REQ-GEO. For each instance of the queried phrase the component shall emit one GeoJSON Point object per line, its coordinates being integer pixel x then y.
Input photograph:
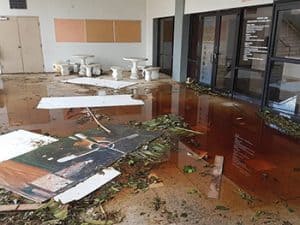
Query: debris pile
{"type": "Point", "coordinates": [136, 174]}
{"type": "Point", "coordinates": [280, 123]}
{"type": "Point", "coordinates": [205, 90]}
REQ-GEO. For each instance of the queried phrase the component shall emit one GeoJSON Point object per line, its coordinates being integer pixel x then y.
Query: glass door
{"type": "Point", "coordinates": [207, 52]}
{"type": "Point", "coordinates": [165, 44]}
{"type": "Point", "coordinates": [225, 52]}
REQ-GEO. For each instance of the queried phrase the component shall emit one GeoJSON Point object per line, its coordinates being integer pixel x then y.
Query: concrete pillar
{"type": "Point", "coordinates": [181, 42]}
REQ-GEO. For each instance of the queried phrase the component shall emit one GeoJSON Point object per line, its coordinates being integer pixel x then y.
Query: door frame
{"type": "Point", "coordinates": [219, 14]}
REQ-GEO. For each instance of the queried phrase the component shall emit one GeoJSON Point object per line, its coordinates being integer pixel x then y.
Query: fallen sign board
{"type": "Point", "coordinates": [19, 142]}
{"type": "Point", "coordinates": [215, 186]}
{"type": "Point", "coordinates": [88, 102]}
{"type": "Point", "coordinates": [55, 168]}
{"type": "Point", "coordinates": [100, 82]}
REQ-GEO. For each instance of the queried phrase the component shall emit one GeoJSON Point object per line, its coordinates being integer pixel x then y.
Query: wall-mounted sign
{"type": "Point", "coordinates": [256, 43]}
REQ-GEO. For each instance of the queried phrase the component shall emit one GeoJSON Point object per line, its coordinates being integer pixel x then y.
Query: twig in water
{"type": "Point", "coordinates": [97, 121]}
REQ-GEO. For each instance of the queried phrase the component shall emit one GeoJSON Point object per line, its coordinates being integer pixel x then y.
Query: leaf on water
{"type": "Point", "coordinates": [221, 207]}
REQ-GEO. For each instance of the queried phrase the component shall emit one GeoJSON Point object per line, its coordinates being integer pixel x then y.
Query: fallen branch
{"type": "Point", "coordinates": [19, 208]}
{"type": "Point", "coordinates": [190, 131]}
{"type": "Point", "coordinates": [97, 121]}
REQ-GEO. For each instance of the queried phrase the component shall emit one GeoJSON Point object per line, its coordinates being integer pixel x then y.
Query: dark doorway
{"type": "Point", "coordinates": [165, 44]}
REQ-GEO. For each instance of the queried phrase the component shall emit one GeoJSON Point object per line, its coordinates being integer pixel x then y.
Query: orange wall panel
{"type": "Point", "coordinates": [70, 30]}
{"type": "Point", "coordinates": [128, 30]}
{"type": "Point", "coordinates": [100, 30]}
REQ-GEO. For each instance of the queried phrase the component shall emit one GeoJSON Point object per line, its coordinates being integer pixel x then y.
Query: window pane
{"type": "Point", "coordinates": [255, 38]}
{"type": "Point", "coordinates": [250, 83]}
{"type": "Point", "coordinates": [284, 88]}
{"type": "Point", "coordinates": [288, 34]}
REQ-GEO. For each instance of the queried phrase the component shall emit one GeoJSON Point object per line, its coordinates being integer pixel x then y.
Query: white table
{"type": "Point", "coordinates": [134, 68]}
{"type": "Point", "coordinates": [83, 58]}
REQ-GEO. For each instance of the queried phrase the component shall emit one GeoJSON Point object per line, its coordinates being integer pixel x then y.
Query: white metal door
{"type": "Point", "coordinates": [10, 47]}
{"type": "Point", "coordinates": [30, 39]}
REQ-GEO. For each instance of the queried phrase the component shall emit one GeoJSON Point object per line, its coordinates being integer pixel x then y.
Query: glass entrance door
{"type": "Point", "coordinates": [224, 53]}
{"type": "Point", "coordinates": [207, 51]}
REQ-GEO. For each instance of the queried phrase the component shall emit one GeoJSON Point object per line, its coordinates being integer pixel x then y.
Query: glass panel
{"type": "Point", "coordinates": [227, 41]}
{"type": "Point", "coordinates": [166, 44]}
{"type": "Point", "coordinates": [255, 38]}
{"type": "Point", "coordinates": [288, 34]}
{"type": "Point", "coordinates": [284, 88]}
{"type": "Point", "coordinates": [250, 83]}
{"type": "Point", "coordinates": [208, 43]}
{"type": "Point", "coordinates": [194, 37]}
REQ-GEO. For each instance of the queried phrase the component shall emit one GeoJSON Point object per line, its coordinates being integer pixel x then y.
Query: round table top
{"type": "Point", "coordinates": [83, 56]}
{"type": "Point", "coordinates": [135, 59]}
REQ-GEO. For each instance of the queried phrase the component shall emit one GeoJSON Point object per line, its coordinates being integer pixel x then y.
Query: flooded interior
{"type": "Point", "coordinates": [258, 159]}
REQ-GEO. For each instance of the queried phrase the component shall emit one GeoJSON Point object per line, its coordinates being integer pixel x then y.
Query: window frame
{"type": "Point", "coordinates": [272, 58]}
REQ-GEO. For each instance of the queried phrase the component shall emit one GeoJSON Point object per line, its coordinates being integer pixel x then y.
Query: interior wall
{"type": "Point", "coordinates": [197, 6]}
{"type": "Point", "coordinates": [107, 54]}
{"type": "Point", "coordinates": [156, 9]}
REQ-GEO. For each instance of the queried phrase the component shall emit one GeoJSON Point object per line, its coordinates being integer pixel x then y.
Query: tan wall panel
{"type": "Point", "coordinates": [128, 31]}
{"type": "Point", "coordinates": [70, 30]}
{"type": "Point", "coordinates": [100, 31]}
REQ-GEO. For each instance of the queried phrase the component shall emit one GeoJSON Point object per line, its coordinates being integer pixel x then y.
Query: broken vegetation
{"type": "Point", "coordinates": [280, 123]}
{"type": "Point", "coordinates": [205, 90]}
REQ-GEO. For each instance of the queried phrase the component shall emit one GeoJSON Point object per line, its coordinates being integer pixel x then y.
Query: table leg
{"type": "Point", "coordinates": [134, 71]}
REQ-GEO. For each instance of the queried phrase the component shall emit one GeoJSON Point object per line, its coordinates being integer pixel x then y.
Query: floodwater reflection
{"type": "Point", "coordinates": [257, 158]}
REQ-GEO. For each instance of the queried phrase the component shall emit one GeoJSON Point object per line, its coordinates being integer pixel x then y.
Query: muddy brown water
{"type": "Point", "coordinates": [257, 158]}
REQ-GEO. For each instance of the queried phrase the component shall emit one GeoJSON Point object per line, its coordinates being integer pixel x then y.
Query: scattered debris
{"type": "Point", "coordinates": [184, 215]}
{"type": "Point", "coordinates": [221, 207]}
{"type": "Point", "coordinates": [202, 155]}
{"type": "Point", "coordinates": [286, 223]}
{"type": "Point", "coordinates": [49, 170]}
{"type": "Point", "coordinates": [280, 123]}
{"type": "Point", "coordinates": [264, 217]}
{"type": "Point", "coordinates": [215, 186]}
{"type": "Point", "coordinates": [204, 90]}
{"type": "Point", "coordinates": [197, 156]}
{"type": "Point", "coordinates": [245, 196]}
{"type": "Point", "coordinates": [158, 202]}
{"type": "Point", "coordinates": [189, 169]}
{"type": "Point", "coordinates": [88, 102]}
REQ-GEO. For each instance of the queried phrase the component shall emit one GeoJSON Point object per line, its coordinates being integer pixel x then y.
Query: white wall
{"type": "Point", "coordinates": [156, 9]}
{"type": "Point", "coordinates": [106, 53]}
{"type": "Point", "coordinates": [196, 6]}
